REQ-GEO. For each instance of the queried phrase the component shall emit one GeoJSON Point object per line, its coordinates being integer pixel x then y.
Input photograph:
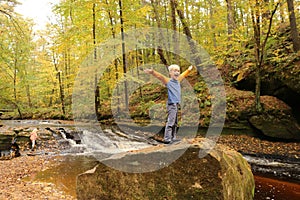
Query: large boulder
{"type": "Point", "coordinates": [277, 121]}
{"type": "Point", "coordinates": [276, 126]}
{"type": "Point", "coordinates": [220, 174]}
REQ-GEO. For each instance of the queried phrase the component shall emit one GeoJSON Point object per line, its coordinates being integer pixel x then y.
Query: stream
{"type": "Point", "coordinates": [274, 178]}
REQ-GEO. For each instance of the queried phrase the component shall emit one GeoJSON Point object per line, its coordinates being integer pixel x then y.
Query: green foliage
{"type": "Point", "coordinates": [38, 73]}
{"type": "Point", "coordinates": [200, 87]}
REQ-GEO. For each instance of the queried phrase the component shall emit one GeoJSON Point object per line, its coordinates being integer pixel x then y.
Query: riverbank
{"type": "Point", "coordinates": [252, 145]}
{"type": "Point", "coordinates": [17, 179]}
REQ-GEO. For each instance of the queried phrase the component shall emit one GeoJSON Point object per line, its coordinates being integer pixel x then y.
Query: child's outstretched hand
{"type": "Point", "coordinates": [190, 68]}
{"type": "Point", "coordinates": [148, 71]}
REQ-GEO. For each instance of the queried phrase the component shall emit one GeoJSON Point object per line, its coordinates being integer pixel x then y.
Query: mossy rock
{"type": "Point", "coordinates": [220, 174]}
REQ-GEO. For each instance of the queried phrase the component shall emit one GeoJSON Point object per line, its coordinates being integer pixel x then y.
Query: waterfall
{"type": "Point", "coordinates": [109, 142]}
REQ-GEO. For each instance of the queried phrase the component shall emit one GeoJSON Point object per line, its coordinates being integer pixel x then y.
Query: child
{"type": "Point", "coordinates": [174, 97]}
{"type": "Point", "coordinates": [33, 137]}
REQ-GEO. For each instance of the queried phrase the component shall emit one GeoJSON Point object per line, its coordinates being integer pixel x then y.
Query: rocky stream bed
{"type": "Point", "coordinates": [18, 175]}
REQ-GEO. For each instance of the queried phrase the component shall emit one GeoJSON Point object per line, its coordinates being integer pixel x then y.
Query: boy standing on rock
{"type": "Point", "coordinates": [174, 97]}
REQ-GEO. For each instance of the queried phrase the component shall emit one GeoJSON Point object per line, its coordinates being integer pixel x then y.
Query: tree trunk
{"type": "Point", "coordinates": [15, 88]}
{"type": "Point", "coordinates": [113, 32]}
{"type": "Point", "coordinates": [28, 95]}
{"type": "Point", "coordinates": [293, 24]}
{"type": "Point", "coordinates": [94, 31]}
{"type": "Point", "coordinates": [138, 60]}
{"type": "Point", "coordinates": [51, 98]}
{"type": "Point", "coordinates": [159, 49]}
{"type": "Point", "coordinates": [97, 89]}
{"type": "Point", "coordinates": [123, 55]}
{"type": "Point", "coordinates": [15, 80]}
{"type": "Point", "coordinates": [61, 87]}
{"type": "Point", "coordinates": [61, 90]}
{"type": "Point", "coordinates": [212, 26]}
{"type": "Point", "coordinates": [230, 19]}
{"type": "Point", "coordinates": [174, 27]}
{"type": "Point", "coordinates": [188, 33]}
{"type": "Point", "coordinates": [257, 17]}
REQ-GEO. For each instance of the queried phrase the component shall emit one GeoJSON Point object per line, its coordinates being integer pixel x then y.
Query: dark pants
{"type": "Point", "coordinates": [172, 122]}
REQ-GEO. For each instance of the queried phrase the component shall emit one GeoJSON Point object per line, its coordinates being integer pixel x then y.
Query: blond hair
{"type": "Point", "coordinates": [171, 67]}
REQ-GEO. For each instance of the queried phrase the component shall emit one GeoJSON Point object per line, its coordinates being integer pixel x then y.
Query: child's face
{"type": "Point", "coordinates": [174, 73]}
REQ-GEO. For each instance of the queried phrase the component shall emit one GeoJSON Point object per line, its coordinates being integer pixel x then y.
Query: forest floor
{"type": "Point", "coordinates": [17, 175]}
{"type": "Point", "coordinates": [253, 145]}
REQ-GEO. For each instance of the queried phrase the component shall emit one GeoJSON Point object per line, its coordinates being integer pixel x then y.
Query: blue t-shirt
{"type": "Point", "coordinates": [174, 91]}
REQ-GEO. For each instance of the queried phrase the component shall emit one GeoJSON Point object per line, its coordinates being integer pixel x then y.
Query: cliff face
{"type": "Point", "coordinates": [187, 173]}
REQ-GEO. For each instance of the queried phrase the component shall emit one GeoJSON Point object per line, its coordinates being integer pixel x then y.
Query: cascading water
{"type": "Point", "coordinates": [108, 142]}
{"type": "Point", "coordinates": [289, 169]}
{"type": "Point", "coordinates": [84, 139]}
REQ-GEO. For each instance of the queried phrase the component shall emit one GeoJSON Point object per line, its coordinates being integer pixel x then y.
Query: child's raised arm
{"type": "Point", "coordinates": [185, 73]}
{"type": "Point", "coordinates": [157, 75]}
